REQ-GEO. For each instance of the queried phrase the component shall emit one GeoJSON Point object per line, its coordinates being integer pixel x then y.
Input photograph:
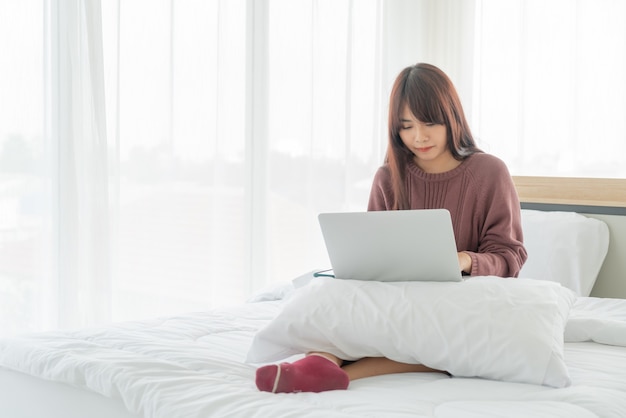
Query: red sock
{"type": "Point", "coordinates": [311, 374]}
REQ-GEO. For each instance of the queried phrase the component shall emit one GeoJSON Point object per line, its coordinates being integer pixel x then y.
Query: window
{"type": "Point", "coordinates": [178, 116]}
{"type": "Point", "coordinates": [159, 156]}
{"type": "Point", "coordinates": [24, 169]}
{"type": "Point", "coordinates": [550, 86]}
{"type": "Point", "coordinates": [325, 123]}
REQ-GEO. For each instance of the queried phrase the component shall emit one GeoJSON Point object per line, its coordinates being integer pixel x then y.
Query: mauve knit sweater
{"type": "Point", "coordinates": [482, 201]}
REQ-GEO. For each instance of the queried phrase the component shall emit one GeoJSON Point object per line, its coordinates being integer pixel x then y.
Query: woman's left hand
{"type": "Point", "coordinates": [465, 262]}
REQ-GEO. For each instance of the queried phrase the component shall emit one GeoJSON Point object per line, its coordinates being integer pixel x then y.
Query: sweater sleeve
{"type": "Point", "coordinates": [501, 250]}
{"type": "Point", "coordinates": [381, 194]}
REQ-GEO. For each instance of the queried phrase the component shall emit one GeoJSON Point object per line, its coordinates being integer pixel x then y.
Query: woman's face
{"type": "Point", "coordinates": [427, 142]}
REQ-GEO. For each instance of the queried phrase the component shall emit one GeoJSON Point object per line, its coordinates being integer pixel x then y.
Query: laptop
{"type": "Point", "coordinates": [396, 245]}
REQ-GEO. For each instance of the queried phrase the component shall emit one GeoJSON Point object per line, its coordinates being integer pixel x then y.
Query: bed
{"type": "Point", "coordinates": [199, 364]}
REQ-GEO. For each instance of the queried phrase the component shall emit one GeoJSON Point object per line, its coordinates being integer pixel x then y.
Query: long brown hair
{"type": "Point", "coordinates": [432, 98]}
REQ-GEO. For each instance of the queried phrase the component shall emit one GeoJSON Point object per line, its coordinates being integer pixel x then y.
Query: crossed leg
{"type": "Point", "coordinates": [318, 372]}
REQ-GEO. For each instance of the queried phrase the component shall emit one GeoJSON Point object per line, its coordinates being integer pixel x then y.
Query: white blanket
{"type": "Point", "coordinates": [193, 366]}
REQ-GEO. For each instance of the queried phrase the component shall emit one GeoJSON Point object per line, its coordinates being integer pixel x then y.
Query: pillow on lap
{"type": "Point", "coordinates": [502, 329]}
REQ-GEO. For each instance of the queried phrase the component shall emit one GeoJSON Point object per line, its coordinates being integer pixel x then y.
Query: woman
{"type": "Point", "coordinates": [432, 162]}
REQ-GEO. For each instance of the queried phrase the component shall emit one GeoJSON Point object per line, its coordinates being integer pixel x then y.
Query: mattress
{"type": "Point", "coordinates": [193, 365]}
{"type": "Point", "coordinates": [24, 396]}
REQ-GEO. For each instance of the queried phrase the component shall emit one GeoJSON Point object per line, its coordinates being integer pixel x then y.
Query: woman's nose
{"type": "Point", "coordinates": [419, 136]}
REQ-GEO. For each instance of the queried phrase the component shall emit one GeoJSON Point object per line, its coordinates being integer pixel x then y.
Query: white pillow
{"type": "Point", "coordinates": [502, 329]}
{"type": "Point", "coordinates": [602, 320]}
{"type": "Point", "coordinates": [564, 247]}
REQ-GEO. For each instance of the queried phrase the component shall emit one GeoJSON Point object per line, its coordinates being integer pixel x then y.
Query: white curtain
{"type": "Point", "coordinates": [55, 241]}
{"type": "Point", "coordinates": [176, 160]}
{"type": "Point", "coordinates": [325, 117]}
{"type": "Point", "coordinates": [190, 150]}
{"type": "Point", "coordinates": [24, 201]}
{"type": "Point", "coordinates": [542, 81]}
{"type": "Point", "coordinates": [76, 119]}
{"type": "Point", "coordinates": [550, 85]}
{"type": "Point", "coordinates": [178, 110]}
{"type": "Point", "coordinates": [237, 122]}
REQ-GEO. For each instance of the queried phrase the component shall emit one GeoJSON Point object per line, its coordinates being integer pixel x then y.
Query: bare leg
{"type": "Point", "coordinates": [318, 372]}
{"type": "Point", "coordinates": [375, 366]}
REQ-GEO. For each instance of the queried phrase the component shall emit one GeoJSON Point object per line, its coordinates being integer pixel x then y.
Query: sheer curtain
{"type": "Point", "coordinates": [550, 85]}
{"type": "Point", "coordinates": [80, 184]}
{"type": "Point", "coordinates": [325, 114]}
{"type": "Point", "coordinates": [177, 84]}
{"type": "Point", "coordinates": [24, 199]}
{"type": "Point", "coordinates": [182, 154]}
{"type": "Point", "coordinates": [176, 160]}
{"type": "Point", "coordinates": [55, 248]}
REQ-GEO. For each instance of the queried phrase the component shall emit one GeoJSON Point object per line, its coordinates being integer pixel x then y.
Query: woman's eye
{"type": "Point", "coordinates": [405, 127]}
{"type": "Point", "coordinates": [429, 124]}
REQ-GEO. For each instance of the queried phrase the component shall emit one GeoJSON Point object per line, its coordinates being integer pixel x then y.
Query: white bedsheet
{"type": "Point", "coordinates": [193, 366]}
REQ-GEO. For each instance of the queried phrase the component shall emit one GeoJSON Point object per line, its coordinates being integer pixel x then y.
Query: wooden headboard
{"type": "Point", "coordinates": [604, 199]}
{"type": "Point", "coordinates": [572, 191]}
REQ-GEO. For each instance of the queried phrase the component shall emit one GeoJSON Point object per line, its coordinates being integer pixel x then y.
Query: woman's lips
{"type": "Point", "coordinates": [424, 149]}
